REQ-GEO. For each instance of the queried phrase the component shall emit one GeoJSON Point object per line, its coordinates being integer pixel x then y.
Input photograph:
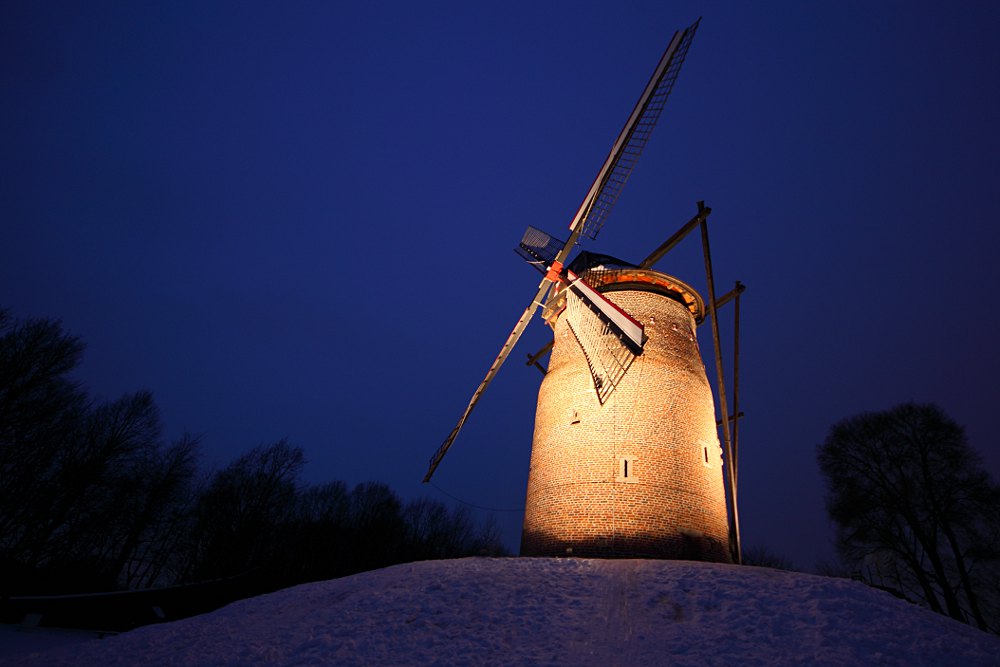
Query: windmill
{"type": "Point", "coordinates": [599, 490]}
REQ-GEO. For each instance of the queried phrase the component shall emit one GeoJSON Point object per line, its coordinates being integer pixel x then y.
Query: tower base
{"type": "Point", "coordinates": [638, 475]}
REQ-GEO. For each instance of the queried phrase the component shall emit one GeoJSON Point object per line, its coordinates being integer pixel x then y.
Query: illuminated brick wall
{"type": "Point", "coordinates": [660, 421]}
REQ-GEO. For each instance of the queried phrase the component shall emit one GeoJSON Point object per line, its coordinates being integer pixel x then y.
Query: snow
{"type": "Point", "coordinates": [15, 639]}
{"type": "Point", "coordinates": [537, 611]}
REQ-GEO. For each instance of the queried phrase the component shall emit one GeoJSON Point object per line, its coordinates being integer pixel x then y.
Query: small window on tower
{"type": "Point", "coordinates": [626, 469]}
{"type": "Point", "coordinates": [711, 454]}
{"type": "Point", "coordinates": [574, 417]}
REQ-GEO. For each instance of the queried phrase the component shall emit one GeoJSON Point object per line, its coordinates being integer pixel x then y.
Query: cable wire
{"type": "Point", "coordinates": [478, 507]}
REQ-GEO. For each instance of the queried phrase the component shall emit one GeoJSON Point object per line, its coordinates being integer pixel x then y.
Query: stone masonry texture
{"type": "Point", "coordinates": [660, 418]}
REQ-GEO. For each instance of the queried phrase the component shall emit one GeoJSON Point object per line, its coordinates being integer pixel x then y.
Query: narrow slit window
{"type": "Point", "coordinates": [626, 469]}
{"type": "Point", "coordinates": [711, 454]}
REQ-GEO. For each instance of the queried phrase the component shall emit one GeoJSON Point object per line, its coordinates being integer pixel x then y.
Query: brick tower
{"type": "Point", "coordinates": [625, 460]}
{"type": "Point", "coordinates": [641, 475]}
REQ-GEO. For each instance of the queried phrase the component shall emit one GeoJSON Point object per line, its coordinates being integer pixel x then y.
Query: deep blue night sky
{"type": "Point", "coordinates": [296, 219]}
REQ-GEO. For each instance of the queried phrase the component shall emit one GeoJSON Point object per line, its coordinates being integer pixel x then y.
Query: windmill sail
{"type": "Point", "coordinates": [539, 249]}
{"type": "Point", "coordinates": [624, 326]}
{"type": "Point", "coordinates": [508, 345]}
{"type": "Point", "coordinates": [595, 207]}
{"type": "Point", "coordinates": [609, 337]}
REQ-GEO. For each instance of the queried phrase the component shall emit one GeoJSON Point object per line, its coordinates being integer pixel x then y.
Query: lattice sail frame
{"type": "Point", "coordinates": [629, 154]}
{"type": "Point", "coordinates": [607, 356]}
{"type": "Point", "coordinates": [609, 337]}
{"type": "Point", "coordinates": [539, 248]}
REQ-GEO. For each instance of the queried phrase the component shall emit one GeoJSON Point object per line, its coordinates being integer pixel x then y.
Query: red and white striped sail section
{"type": "Point", "coordinates": [609, 337]}
{"type": "Point", "coordinates": [626, 328]}
{"type": "Point", "coordinates": [596, 206]}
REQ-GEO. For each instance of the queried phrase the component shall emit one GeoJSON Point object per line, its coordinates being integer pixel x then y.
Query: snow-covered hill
{"type": "Point", "coordinates": [521, 611]}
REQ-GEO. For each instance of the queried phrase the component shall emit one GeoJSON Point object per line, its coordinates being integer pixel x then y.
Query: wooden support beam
{"type": "Point", "coordinates": [732, 418]}
{"type": "Point", "coordinates": [668, 245]}
{"type": "Point", "coordinates": [730, 295]}
{"type": "Point", "coordinates": [736, 385]}
{"type": "Point", "coordinates": [734, 526]}
{"type": "Point", "coordinates": [533, 358]}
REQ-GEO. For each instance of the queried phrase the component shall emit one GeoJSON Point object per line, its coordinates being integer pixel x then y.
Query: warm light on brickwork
{"type": "Point", "coordinates": [660, 421]}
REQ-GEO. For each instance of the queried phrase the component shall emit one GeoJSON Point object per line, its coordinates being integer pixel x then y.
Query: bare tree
{"type": "Point", "coordinates": [910, 498]}
{"type": "Point", "coordinates": [319, 542]}
{"type": "Point", "coordinates": [758, 556]}
{"type": "Point", "coordinates": [434, 531]}
{"type": "Point", "coordinates": [144, 548]}
{"type": "Point", "coordinates": [241, 512]}
{"type": "Point", "coordinates": [41, 411]}
{"type": "Point", "coordinates": [89, 500]}
{"type": "Point", "coordinates": [376, 527]}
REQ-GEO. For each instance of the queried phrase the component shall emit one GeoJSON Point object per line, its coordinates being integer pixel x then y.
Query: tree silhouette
{"type": "Point", "coordinates": [376, 525]}
{"type": "Point", "coordinates": [241, 515]}
{"type": "Point", "coordinates": [912, 504]}
{"type": "Point", "coordinates": [91, 500]}
{"type": "Point", "coordinates": [158, 517]}
{"type": "Point", "coordinates": [84, 490]}
{"type": "Point", "coordinates": [319, 541]}
{"type": "Point", "coordinates": [41, 410]}
{"type": "Point", "coordinates": [759, 556]}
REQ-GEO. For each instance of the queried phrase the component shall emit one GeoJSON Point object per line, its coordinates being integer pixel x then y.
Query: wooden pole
{"type": "Point", "coordinates": [533, 359]}
{"type": "Point", "coordinates": [736, 385]}
{"type": "Point", "coordinates": [678, 236]}
{"type": "Point", "coordinates": [730, 295]}
{"type": "Point", "coordinates": [734, 525]}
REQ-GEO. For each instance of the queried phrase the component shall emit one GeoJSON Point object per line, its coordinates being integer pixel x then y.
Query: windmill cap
{"type": "Point", "coordinates": [644, 280]}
